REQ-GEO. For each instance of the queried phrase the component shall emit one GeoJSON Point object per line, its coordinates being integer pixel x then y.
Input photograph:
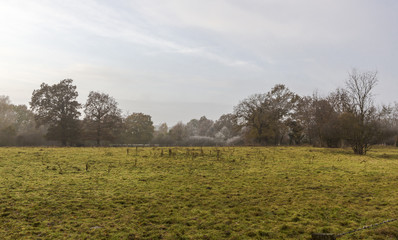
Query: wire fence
{"type": "Point", "coordinates": [331, 236]}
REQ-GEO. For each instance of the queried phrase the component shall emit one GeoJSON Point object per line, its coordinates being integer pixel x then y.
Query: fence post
{"type": "Point", "coordinates": [323, 236]}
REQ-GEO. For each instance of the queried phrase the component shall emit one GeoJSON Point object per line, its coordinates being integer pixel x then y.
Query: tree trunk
{"type": "Point", "coordinates": [99, 134]}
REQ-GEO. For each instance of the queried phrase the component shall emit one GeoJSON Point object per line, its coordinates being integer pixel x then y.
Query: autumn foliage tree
{"type": "Point", "coordinates": [326, 125]}
{"type": "Point", "coordinates": [138, 128]}
{"type": "Point", "coordinates": [267, 115]}
{"type": "Point", "coordinates": [56, 107]}
{"type": "Point", "coordinates": [102, 117]}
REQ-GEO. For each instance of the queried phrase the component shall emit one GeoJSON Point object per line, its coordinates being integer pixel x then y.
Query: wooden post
{"type": "Point", "coordinates": [323, 236]}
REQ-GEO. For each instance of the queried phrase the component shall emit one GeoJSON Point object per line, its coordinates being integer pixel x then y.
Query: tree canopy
{"type": "Point", "coordinates": [56, 107]}
{"type": "Point", "coordinates": [267, 115]}
{"type": "Point", "coordinates": [138, 128]}
{"type": "Point", "coordinates": [102, 117]}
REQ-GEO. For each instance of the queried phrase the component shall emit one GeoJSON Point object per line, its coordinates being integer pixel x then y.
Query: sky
{"type": "Point", "coordinates": [182, 59]}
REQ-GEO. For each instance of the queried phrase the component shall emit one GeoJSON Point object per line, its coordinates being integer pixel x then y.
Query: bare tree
{"type": "Point", "coordinates": [359, 87]}
{"type": "Point", "coordinates": [160, 135]}
{"type": "Point", "coordinates": [178, 133]}
{"type": "Point", "coordinates": [201, 127]}
{"type": "Point", "coordinates": [226, 127]}
{"type": "Point", "coordinates": [360, 120]}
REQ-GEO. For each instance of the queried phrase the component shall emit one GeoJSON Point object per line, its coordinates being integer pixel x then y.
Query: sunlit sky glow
{"type": "Point", "coordinates": [182, 59]}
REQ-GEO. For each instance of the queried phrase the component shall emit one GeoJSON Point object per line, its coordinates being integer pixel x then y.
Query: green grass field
{"type": "Point", "coordinates": [213, 193]}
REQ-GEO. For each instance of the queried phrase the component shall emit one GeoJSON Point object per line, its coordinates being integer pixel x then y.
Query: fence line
{"type": "Point", "coordinates": [366, 227]}
{"type": "Point", "coordinates": [330, 236]}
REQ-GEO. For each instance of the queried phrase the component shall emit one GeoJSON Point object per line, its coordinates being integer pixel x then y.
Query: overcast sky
{"type": "Point", "coordinates": [182, 59]}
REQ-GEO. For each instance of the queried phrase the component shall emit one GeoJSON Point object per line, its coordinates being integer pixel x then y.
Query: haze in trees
{"type": "Point", "coordinates": [345, 117]}
{"type": "Point", "coordinates": [17, 125]}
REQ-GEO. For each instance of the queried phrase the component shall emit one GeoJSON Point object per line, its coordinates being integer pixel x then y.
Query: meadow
{"type": "Point", "coordinates": [196, 193]}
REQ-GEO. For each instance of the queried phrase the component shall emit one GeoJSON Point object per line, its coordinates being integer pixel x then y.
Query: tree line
{"type": "Point", "coordinates": [345, 117]}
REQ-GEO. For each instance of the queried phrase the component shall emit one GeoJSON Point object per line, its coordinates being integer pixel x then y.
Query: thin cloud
{"type": "Point", "coordinates": [217, 50]}
{"type": "Point", "coordinates": [90, 17]}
